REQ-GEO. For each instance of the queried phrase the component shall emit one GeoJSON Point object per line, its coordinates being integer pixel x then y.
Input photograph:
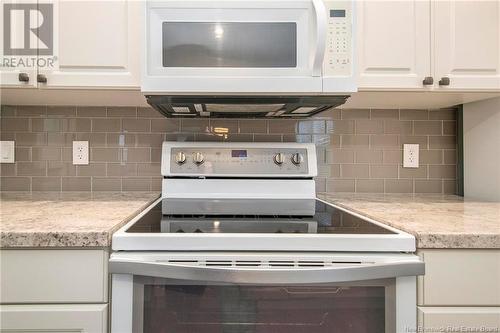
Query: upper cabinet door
{"type": "Point", "coordinates": [467, 44]}
{"type": "Point", "coordinates": [97, 44]}
{"type": "Point", "coordinates": [17, 78]}
{"type": "Point", "coordinates": [17, 48]}
{"type": "Point", "coordinates": [393, 40]}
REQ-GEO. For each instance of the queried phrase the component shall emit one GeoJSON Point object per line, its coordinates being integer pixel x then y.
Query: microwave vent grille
{"type": "Point", "coordinates": [244, 106]}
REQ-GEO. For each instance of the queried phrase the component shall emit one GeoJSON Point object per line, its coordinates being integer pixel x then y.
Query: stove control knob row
{"type": "Point", "coordinates": [198, 158]}
{"type": "Point", "coordinates": [180, 158]}
{"type": "Point", "coordinates": [297, 158]}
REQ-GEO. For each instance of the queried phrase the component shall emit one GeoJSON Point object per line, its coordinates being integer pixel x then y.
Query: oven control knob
{"type": "Point", "coordinates": [297, 158]}
{"type": "Point", "coordinates": [198, 158]}
{"type": "Point", "coordinates": [279, 158]}
{"type": "Point", "coordinates": [180, 158]}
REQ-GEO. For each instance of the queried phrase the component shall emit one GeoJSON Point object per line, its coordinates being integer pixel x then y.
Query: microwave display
{"type": "Point", "coordinates": [229, 44]}
{"type": "Point", "coordinates": [337, 13]}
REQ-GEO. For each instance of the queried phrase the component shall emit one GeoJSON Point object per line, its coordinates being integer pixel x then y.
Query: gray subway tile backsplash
{"type": "Point", "coordinates": [431, 156]}
{"type": "Point", "coordinates": [76, 183]}
{"type": "Point", "coordinates": [340, 185]}
{"type": "Point", "coordinates": [443, 114]}
{"type": "Point", "coordinates": [106, 184]}
{"type": "Point", "coordinates": [384, 114]}
{"type": "Point", "coordinates": [409, 114]}
{"type": "Point", "coordinates": [46, 184]}
{"type": "Point", "coordinates": [428, 186]}
{"type": "Point", "coordinates": [384, 171]}
{"type": "Point", "coordinates": [404, 127]}
{"type": "Point", "coordinates": [15, 183]}
{"type": "Point", "coordinates": [428, 127]}
{"type": "Point", "coordinates": [355, 113]}
{"type": "Point", "coordinates": [370, 185]}
{"type": "Point", "coordinates": [120, 111]}
{"type": "Point", "coordinates": [61, 111]}
{"type": "Point", "coordinates": [61, 168]}
{"type": "Point", "coordinates": [369, 126]}
{"type": "Point", "coordinates": [398, 185]}
{"type": "Point", "coordinates": [358, 149]}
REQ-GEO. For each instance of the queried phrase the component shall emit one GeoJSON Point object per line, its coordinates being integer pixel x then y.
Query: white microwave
{"type": "Point", "coordinates": [249, 47]}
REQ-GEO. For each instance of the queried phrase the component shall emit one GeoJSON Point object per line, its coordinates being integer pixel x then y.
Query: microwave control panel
{"type": "Point", "coordinates": [338, 53]}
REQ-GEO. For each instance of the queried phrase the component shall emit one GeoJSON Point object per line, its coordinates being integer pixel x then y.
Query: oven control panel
{"type": "Point", "coordinates": [338, 53]}
{"type": "Point", "coordinates": [262, 160]}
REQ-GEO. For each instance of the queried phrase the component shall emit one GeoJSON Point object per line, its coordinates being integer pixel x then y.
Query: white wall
{"type": "Point", "coordinates": [482, 149]}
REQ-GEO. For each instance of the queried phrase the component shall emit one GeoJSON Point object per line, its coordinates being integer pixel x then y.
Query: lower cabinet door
{"type": "Point", "coordinates": [85, 318]}
{"type": "Point", "coordinates": [459, 319]}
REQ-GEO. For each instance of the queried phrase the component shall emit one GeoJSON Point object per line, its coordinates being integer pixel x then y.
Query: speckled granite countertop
{"type": "Point", "coordinates": [67, 219]}
{"type": "Point", "coordinates": [436, 221]}
{"type": "Point", "coordinates": [89, 219]}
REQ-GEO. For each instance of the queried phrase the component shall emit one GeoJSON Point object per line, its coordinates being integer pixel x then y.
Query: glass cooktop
{"type": "Point", "coordinates": [327, 220]}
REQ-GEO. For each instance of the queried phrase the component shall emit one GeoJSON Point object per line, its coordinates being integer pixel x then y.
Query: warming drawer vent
{"type": "Point", "coordinates": [258, 263]}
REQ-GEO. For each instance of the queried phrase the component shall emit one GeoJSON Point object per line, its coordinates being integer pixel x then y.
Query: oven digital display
{"type": "Point", "coordinates": [238, 153]}
{"type": "Point", "coordinates": [337, 13]}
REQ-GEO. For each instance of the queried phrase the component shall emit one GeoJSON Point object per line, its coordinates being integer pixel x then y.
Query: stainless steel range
{"type": "Point", "coordinates": [238, 242]}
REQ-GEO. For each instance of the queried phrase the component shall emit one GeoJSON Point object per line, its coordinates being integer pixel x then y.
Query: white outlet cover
{"type": "Point", "coordinates": [7, 151]}
{"type": "Point", "coordinates": [80, 152]}
{"type": "Point", "coordinates": [411, 155]}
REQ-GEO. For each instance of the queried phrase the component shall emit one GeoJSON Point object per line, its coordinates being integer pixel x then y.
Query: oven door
{"type": "Point", "coordinates": [244, 46]}
{"type": "Point", "coordinates": [263, 293]}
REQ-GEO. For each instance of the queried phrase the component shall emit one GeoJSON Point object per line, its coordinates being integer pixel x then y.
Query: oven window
{"type": "Point", "coordinates": [229, 44]}
{"type": "Point", "coordinates": [254, 309]}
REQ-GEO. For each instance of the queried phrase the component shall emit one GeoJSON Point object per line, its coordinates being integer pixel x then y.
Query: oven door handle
{"type": "Point", "coordinates": [321, 24]}
{"type": "Point", "coordinates": [267, 275]}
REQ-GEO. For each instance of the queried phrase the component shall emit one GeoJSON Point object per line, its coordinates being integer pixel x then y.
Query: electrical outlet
{"type": "Point", "coordinates": [410, 155]}
{"type": "Point", "coordinates": [80, 152]}
{"type": "Point", "coordinates": [7, 149]}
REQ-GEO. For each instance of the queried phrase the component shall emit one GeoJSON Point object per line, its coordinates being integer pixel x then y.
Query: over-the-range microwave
{"type": "Point", "coordinates": [248, 47]}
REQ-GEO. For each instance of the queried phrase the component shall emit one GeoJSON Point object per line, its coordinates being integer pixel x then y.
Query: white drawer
{"type": "Point", "coordinates": [460, 277]}
{"type": "Point", "coordinates": [53, 276]}
{"type": "Point", "coordinates": [83, 318]}
{"type": "Point", "coordinates": [459, 319]}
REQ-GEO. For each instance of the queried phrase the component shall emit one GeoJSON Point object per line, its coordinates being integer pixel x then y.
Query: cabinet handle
{"type": "Point", "coordinates": [24, 77]}
{"type": "Point", "coordinates": [40, 78]}
{"type": "Point", "coordinates": [428, 80]}
{"type": "Point", "coordinates": [445, 81]}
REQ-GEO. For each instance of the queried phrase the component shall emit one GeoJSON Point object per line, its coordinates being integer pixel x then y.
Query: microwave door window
{"type": "Point", "coordinates": [230, 44]}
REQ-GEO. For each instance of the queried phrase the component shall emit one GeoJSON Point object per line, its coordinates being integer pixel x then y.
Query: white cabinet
{"type": "Point", "coordinates": [467, 43]}
{"type": "Point", "coordinates": [97, 44]}
{"type": "Point", "coordinates": [53, 276]}
{"type": "Point", "coordinates": [399, 43]}
{"type": "Point", "coordinates": [460, 289]}
{"type": "Point", "coordinates": [13, 76]}
{"type": "Point", "coordinates": [463, 319]}
{"type": "Point", "coordinates": [393, 46]}
{"type": "Point", "coordinates": [460, 278]}
{"type": "Point", "coordinates": [83, 318]}
{"type": "Point", "coordinates": [51, 290]}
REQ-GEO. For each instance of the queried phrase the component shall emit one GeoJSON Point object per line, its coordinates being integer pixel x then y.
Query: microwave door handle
{"type": "Point", "coordinates": [321, 26]}
{"type": "Point", "coordinates": [268, 275]}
